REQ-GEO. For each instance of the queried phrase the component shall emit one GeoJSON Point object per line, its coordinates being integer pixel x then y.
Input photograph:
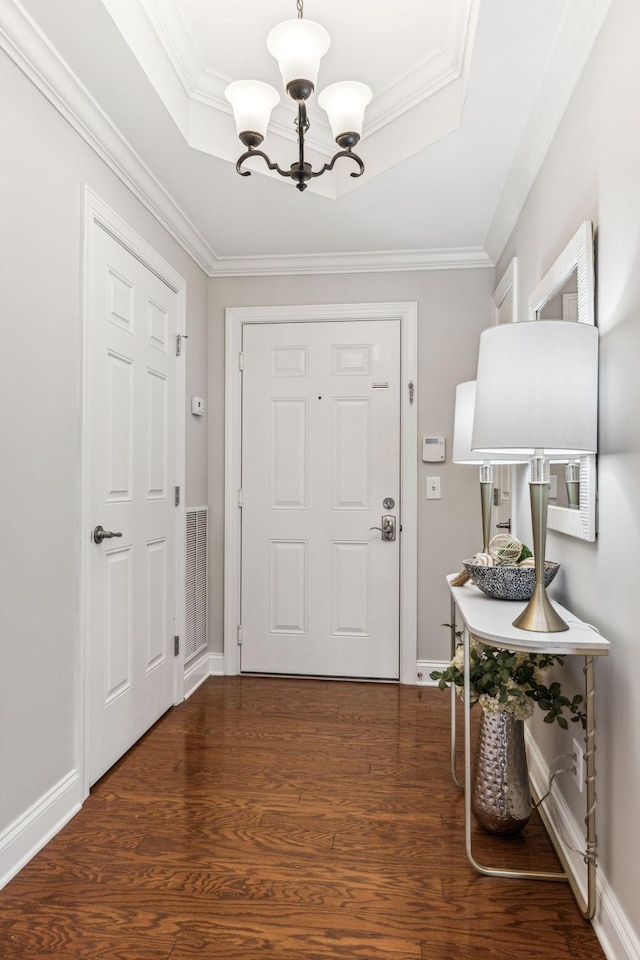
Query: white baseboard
{"type": "Point", "coordinates": [37, 825]}
{"type": "Point", "coordinates": [423, 671]}
{"type": "Point", "coordinates": [612, 926]}
{"type": "Point", "coordinates": [196, 672]}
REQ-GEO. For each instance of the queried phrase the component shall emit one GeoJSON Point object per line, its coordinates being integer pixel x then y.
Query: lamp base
{"type": "Point", "coordinates": [539, 615]}
{"type": "Point", "coordinates": [486, 502]}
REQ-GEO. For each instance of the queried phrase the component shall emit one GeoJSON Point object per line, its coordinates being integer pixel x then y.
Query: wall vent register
{"type": "Point", "coordinates": [196, 582]}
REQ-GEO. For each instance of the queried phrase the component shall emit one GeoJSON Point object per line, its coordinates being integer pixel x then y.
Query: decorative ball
{"type": "Point", "coordinates": [483, 560]}
{"type": "Point", "coordinates": [528, 562]}
{"type": "Point", "coordinates": [505, 548]}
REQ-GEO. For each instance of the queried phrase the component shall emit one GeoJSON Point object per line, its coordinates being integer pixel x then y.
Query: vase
{"type": "Point", "coordinates": [500, 794]}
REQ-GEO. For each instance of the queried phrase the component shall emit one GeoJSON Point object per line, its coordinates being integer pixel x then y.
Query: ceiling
{"type": "Point", "coordinates": [466, 97]}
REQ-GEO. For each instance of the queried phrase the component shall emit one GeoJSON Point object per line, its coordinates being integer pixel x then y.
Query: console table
{"type": "Point", "coordinates": [491, 622]}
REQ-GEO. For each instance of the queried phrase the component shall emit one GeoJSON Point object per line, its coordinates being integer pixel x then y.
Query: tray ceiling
{"type": "Point", "coordinates": [467, 96]}
{"type": "Point", "coordinates": [414, 55]}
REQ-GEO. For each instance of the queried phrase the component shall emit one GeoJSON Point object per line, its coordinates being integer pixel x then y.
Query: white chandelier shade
{"type": "Point", "coordinates": [298, 46]}
{"type": "Point", "coordinates": [345, 103]}
{"type": "Point", "coordinates": [252, 102]}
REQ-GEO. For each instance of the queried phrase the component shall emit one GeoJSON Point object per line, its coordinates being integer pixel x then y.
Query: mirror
{"type": "Point", "coordinates": [566, 292]}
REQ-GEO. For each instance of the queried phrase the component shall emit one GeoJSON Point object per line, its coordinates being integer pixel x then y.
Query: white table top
{"type": "Point", "coordinates": [492, 622]}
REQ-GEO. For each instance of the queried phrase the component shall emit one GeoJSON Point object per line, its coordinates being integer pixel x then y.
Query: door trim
{"type": "Point", "coordinates": [407, 313]}
{"type": "Point", "coordinates": [98, 215]}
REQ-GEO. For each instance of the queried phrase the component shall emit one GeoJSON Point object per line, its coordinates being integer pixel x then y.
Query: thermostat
{"type": "Point", "coordinates": [197, 406]}
{"type": "Point", "coordinates": [432, 449]}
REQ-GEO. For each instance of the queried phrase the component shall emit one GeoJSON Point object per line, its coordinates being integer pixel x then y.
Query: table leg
{"type": "Point", "coordinates": [487, 871]}
{"type": "Point", "coordinates": [454, 643]}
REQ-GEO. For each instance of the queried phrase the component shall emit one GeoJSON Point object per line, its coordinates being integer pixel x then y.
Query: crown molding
{"type": "Point", "coordinates": [581, 25]}
{"type": "Point", "coordinates": [29, 49]}
{"type": "Point", "coordinates": [384, 261]}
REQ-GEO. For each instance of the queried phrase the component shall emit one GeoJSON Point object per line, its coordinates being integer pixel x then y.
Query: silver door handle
{"type": "Point", "coordinates": [388, 528]}
{"type": "Point", "coordinates": [100, 534]}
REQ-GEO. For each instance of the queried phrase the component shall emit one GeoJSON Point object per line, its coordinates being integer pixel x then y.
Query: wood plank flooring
{"type": "Point", "coordinates": [291, 820]}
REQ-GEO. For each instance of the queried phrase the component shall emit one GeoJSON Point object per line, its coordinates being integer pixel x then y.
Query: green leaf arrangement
{"type": "Point", "coordinates": [513, 682]}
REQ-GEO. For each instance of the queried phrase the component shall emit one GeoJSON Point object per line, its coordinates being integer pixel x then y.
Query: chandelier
{"type": "Point", "coordinates": [298, 46]}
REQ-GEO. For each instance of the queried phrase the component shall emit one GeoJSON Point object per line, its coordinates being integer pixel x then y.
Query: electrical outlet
{"type": "Point", "coordinates": [578, 775]}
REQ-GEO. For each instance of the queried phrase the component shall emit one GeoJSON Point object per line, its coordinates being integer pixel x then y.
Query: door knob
{"type": "Point", "coordinates": [506, 525]}
{"type": "Point", "coordinates": [100, 534]}
{"type": "Point", "coordinates": [388, 528]}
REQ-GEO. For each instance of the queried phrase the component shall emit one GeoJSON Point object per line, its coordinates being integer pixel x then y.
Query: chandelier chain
{"type": "Point", "coordinates": [299, 4]}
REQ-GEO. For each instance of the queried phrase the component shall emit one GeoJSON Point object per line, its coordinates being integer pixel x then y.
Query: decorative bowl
{"type": "Point", "coordinates": [508, 583]}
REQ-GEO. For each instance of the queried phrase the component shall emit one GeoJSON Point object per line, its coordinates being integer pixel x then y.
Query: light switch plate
{"type": "Point", "coordinates": [197, 406]}
{"type": "Point", "coordinates": [433, 488]}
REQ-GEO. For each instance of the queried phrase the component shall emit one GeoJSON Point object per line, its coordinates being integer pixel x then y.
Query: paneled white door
{"type": "Point", "coordinates": [131, 371]}
{"type": "Point", "coordinates": [320, 455]}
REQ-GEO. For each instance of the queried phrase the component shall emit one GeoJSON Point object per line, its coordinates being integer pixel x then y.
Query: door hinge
{"type": "Point", "coordinates": [177, 496]}
{"type": "Point", "coordinates": [241, 498]}
{"type": "Point", "coordinates": [241, 361]}
{"type": "Point", "coordinates": [240, 635]}
{"type": "Point", "coordinates": [176, 645]}
{"type": "Point", "coordinates": [179, 338]}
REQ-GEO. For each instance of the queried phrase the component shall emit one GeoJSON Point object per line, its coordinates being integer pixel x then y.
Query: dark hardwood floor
{"type": "Point", "coordinates": [290, 819]}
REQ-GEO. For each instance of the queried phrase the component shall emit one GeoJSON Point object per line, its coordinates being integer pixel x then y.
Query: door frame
{"type": "Point", "coordinates": [235, 317]}
{"type": "Point", "coordinates": [98, 215]}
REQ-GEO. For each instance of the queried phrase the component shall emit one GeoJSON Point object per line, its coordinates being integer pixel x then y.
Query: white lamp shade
{"type": "Point", "coordinates": [345, 103]}
{"type": "Point", "coordinates": [252, 103]}
{"type": "Point", "coordinates": [537, 389]}
{"type": "Point", "coordinates": [463, 427]}
{"type": "Point", "coordinates": [298, 46]}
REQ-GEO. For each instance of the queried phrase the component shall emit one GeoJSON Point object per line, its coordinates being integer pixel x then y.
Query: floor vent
{"type": "Point", "coordinates": [196, 588]}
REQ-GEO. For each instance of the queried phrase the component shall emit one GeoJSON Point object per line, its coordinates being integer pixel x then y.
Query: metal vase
{"type": "Point", "coordinates": [500, 794]}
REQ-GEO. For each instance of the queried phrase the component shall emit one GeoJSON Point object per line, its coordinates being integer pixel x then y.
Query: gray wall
{"type": "Point", "coordinates": [453, 309]}
{"type": "Point", "coordinates": [43, 165]}
{"type": "Point", "coordinates": [592, 171]}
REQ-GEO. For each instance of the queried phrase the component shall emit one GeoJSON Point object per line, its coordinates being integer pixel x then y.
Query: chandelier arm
{"type": "Point", "coordinates": [341, 153]}
{"type": "Point", "coordinates": [269, 163]}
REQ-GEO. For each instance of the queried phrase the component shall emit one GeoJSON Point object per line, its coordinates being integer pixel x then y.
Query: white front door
{"type": "Point", "coordinates": [320, 455]}
{"type": "Point", "coordinates": [132, 462]}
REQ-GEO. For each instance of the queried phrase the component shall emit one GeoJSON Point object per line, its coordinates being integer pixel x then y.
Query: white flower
{"type": "Point", "coordinates": [458, 660]}
{"type": "Point", "coordinates": [520, 708]}
{"type": "Point", "coordinates": [491, 704]}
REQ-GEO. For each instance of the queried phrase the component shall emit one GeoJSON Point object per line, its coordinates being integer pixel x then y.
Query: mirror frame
{"type": "Point", "coordinates": [508, 285]}
{"type": "Point", "coordinates": [505, 474]}
{"type": "Point", "coordinates": [576, 256]}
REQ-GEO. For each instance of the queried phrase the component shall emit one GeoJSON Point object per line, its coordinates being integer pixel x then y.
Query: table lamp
{"type": "Point", "coordinates": [463, 454]}
{"type": "Point", "coordinates": [537, 396]}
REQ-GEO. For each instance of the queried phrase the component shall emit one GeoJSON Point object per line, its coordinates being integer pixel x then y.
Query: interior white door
{"type": "Point", "coordinates": [320, 455]}
{"type": "Point", "coordinates": [131, 371]}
